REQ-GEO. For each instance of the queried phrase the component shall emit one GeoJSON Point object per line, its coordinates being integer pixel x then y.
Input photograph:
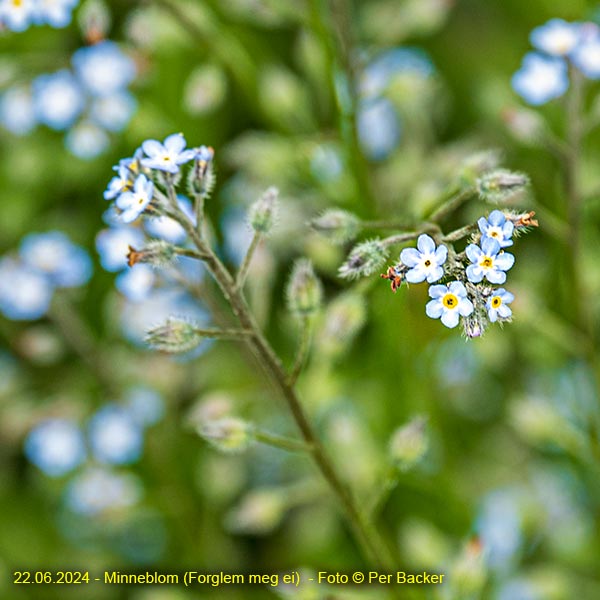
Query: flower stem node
{"type": "Point", "coordinates": [339, 226]}
{"type": "Point", "coordinates": [228, 434]}
{"type": "Point", "coordinates": [501, 185]}
{"type": "Point", "coordinates": [262, 213]}
{"type": "Point", "coordinates": [364, 259]}
{"type": "Point", "coordinates": [304, 291]}
{"type": "Point", "coordinates": [157, 253]}
{"type": "Point", "coordinates": [409, 443]}
{"type": "Point", "coordinates": [174, 336]}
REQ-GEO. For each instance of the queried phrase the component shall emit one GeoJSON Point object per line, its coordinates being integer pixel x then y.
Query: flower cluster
{"type": "Point", "coordinates": [113, 437]}
{"type": "Point", "coordinates": [544, 74]}
{"type": "Point", "coordinates": [18, 15]}
{"type": "Point", "coordinates": [468, 291]}
{"type": "Point", "coordinates": [87, 101]}
{"type": "Point", "coordinates": [43, 263]}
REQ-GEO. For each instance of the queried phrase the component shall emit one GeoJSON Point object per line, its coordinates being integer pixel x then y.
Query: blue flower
{"type": "Point", "coordinates": [103, 69]}
{"type": "Point", "coordinates": [586, 56]}
{"type": "Point", "coordinates": [114, 436]}
{"type": "Point", "coordinates": [25, 294]}
{"type": "Point", "coordinates": [449, 302]}
{"type": "Point", "coordinates": [167, 156]}
{"type": "Point", "coordinates": [168, 229]}
{"type": "Point", "coordinates": [145, 405]}
{"type": "Point", "coordinates": [56, 446]}
{"type": "Point", "coordinates": [113, 112]}
{"type": "Point", "coordinates": [426, 262]}
{"type": "Point", "coordinates": [556, 37]}
{"type": "Point", "coordinates": [496, 305]}
{"type": "Point", "coordinates": [54, 255]}
{"type": "Point", "coordinates": [134, 203]}
{"type": "Point", "coordinates": [113, 246]}
{"type": "Point", "coordinates": [17, 16]}
{"type": "Point", "coordinates": [86, 140]}
{"type": "Point", "coordinates": [17, 113]}
{"type": "Point", "coordinates": [136, 283]}
{"type": "Point", "coordinates": [119, 183]}
{"type": "Point", "coordinates": [56, 13]}
{"type": "Point", "coordinates": [497, 226]}
{"type": "Point", "coordinates": [541, 79]}
{"type": "Point", "coordinates": [58, 99]}
{"type": "Point", "coordinates": [378, 128]}
{"type": "Point", "coordinates": [488, 261]}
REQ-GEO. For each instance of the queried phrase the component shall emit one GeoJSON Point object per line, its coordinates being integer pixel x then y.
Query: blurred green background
{"type": "Point", "coordinates": [513, 422]}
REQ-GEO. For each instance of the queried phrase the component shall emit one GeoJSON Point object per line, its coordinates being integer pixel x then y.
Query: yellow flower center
{"type": "Point", "coordinates": [141, 200]}
{"type": "Point", "coordinates": [427, 263]}
{"type": "Point", "coordinates": [486, 262]}
{"type": "Point", "coordinates": [450, 301]}
{"type": "Point", "coordinates": [496, 301]}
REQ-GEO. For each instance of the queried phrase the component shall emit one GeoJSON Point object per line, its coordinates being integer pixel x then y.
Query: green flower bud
{"type": "Point", "coordinates": [409, 443]}
{"type": "Point", "coordinates": [304, 290]}
{"type": "Point", "coordinates": [156, 253]}
{"type": "Point", "coordinates": [344, 318]}
{"type": "Point", "coordinates": [339, 226]}
{"type": "Point", "coordinates": [228, 434]}
{"type": "Point", "coordinates": [259, 512]}
{"type": "Point", "coordinates": [500, 186]}
{"type": "Point", "coordinates": [364, 259]}
{"type": "Point", "coordinates": [262, 213]}
{"type": "Point", "coordinates": [174, 336]}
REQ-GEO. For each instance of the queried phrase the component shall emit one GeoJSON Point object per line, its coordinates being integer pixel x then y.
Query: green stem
{"type": "Point", "coordinates": [280, 441]}
{"type": "Point", "coordinates": [390, 482]}
{"type": "Point", "coordinates": [245, 266]}
{"type": "Point", "coordinates": [453, 203]}
{"type": "Point", "coordinates": [303, 349]}
{"type": "Point", "coordinates": [223, 334]}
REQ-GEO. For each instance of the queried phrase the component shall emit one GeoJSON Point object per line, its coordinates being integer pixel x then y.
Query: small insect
{"type": "Point", "coordinates": [395, 275]}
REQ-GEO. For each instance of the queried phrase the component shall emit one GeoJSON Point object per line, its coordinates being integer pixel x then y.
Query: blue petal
{"type": "Point", "coordinates": [465, 307]}
{"type": "Point", "coordinates": [450, 318]}
{"type": "Point", "coordinates": [458, 289]}
{"type": "Point", "coordinates": [441, 254]}
{"type": "Point", "coordinates": [496, 218]}
{"type": "Point", "coordinates": [490, 246]}
{"type": "Point", "coordinates": [504, 311]}
{"type": "Point", "coordinates": [152, 148]}
{"type": "Point", "coordinates": [494, 276]}
{"type": "Point", "coordinates": [434, 309]}
{"type": "Point", "coordinates": [410, 257]}
{"type": "Point", "coordinates": [437, 291]}
{"type": "Point", "coordinates": [474, 273]}
{"type": "Point", "coordinates": [473, 252]}
{"type": "Point", "coordinates": [175, 143]}
{"type": "Point", "coordinates": [426, 244]}
{"type": "Point", "coordinates": [416, 275]}
{"type": "Point", "coordinates": [504, 261]}
{"type": "Point", "coordinates": [435, 274]}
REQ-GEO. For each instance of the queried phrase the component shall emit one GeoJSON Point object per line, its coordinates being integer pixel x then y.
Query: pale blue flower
{"type": "Point", "coordinates": [586, 56]}
{"type": "Point", "coordinates": [488, 262]}
{"type": "Point", "coordinates": [136, 282]}
{"type": "Point", "coordinates": [119, 183]}
{"type": "Point", "coordinates": [55, 255]}
{"type": "Point", "coordinates": [497, 305]}
{"type": "Point", "coordinates": [541, 78]}
{"type": "Point", "coordinates": [56, 446]}
{"type": "Point", "coordinates": [168, 229]}
{"type": "Point", "coordinates": [113, 246]}
{"type": "Point", "coordinates": [103, 69]}
{"type": "Point", "coordinates": [86, 140]}
{"type": "Point", "coordinates": [145, 405]}
{"type": "Point", "coordinates": [425, 261]}
{"type": "Point", "coordinates": [556, 37]}
{"type": "Point", "coordinates": [17, 113]}
{"type": "Point", "coordinates": [25, 294]}
{"type": "Point", "coordinates": [56, 13]}
{"type": "Point", "coordinates": [378, 128]}
{"type": "Point", "coordinates": [498, 227]}
{"type": "Point", "coordinates": [449, 303]}
{"type": "Point", "coordinates": [168, 155]}
{"type": "Point", "coordinates": [58, 99]}
{"type": "Point", "coordinates": [134, 203]}
{"type": "Point", "coordinates": [17, 16]}
{"type": "Point", "coordinates": [114, 436]}
{"type": "Point", "coordinates": [113, 112]}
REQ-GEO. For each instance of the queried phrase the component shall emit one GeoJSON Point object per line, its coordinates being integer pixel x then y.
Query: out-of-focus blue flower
{"type": "Point", "coordinates": [425, 261]}
{"type": "Point", "coordinates": [378, 128]}
{"type": "Point", "coordinates": [113, 112]}
{"type": "Point", "coordinates": [497, 227]}
{"type": "Point", "coordinates": [113, 246]}
{"type": "Point", "coordinates": [17, 113]}
{"type": "Point", "coordinates": [497, 305]}
{"type": "Point", "coordinates": [56, 446]}
{"type": "Point", "coordinates": [25, 294]}
{"type": "Point", "coordinates": [556, 37]}
{"type": "Point", "coordinates": [56, 13]}
{"type": "Point", "coordinates": [17, 16]}
{"type": "Point", "coordinates": [488, 262]}
{"type": "Point", "coordinates": [586, 56]}
{"type": "Point", "coordinates": [97, 490]}
{"type": "Point", "coordinates": [145, 405]}
{"type": "Point", "coordinates": [114, 436]}
{"type": "Point", "coordinates": [168, 229]}
{"type": "Point", "coordinates": [55, 255]}
{"type": "Point", "coordinates": [133, 203]}
{"type": "Point", "coordinates": [86, 140]}
{"type": "Point", "coordinates": [520, 589]}
{"type": "Point", "coordinates": [58, 99]}
{"type": "Point", "coordinates": [168, 155]}
{"type": "Point", "coordinates": [136, 283]}
{"type": "Point", "coordinates": [541, 78]}
{"type": "Point", "coordinates": [119, 183]}
{"type": "Point", "coordinates": [326, 163]}
{"type": "Point", "coordinates": [103, 69]}
{"type": "Point", "coordinates": [449, 302]}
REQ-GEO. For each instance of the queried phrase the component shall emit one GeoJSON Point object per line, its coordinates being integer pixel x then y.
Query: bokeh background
{"type": "Point", "coordinates": [506, 496]}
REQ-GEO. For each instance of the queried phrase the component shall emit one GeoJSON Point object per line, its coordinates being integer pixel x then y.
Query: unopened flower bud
{"type": "Point", "coordinates": [364, 259]}
{"type": "Point", "coordinates": [258, 513]}
{"type": "Point", "coordinates": [174, 336]}
{"type": "Point", "coordinates": [228, 434]}
{"type": "Point", "coordinates": [344, 318]}
{"type": "Point", "coordinates": [474, 325]}
{"type": "Point", "coordinates": [262, 213]}
{"type": "Point", "coordinates": [156, 253]}
{"type": "Point", "coordinates": [201, 178]}
{"type": "Point", "coordinates": [94, 20]}
{"type": "Point", "coordinates": [501, 185]}
{"type": "Point", "coordinates": [304, 291]}
{"type": "Point", "coordinates": [475, 165]}
{"type": "Point", "coordinates": [409, 443]}
{"type": "Point", "coordinates": [339, 226]}
{"type": "Point", "coordinates": [526, 125]}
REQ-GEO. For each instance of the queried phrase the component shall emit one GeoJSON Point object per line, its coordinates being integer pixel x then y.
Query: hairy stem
{"type": "Point", "coordinates": [303, 349]}
{"type": "Point", "coordinates": [280, 441]}
{"type": "Point", "coordinates": [245, 266]}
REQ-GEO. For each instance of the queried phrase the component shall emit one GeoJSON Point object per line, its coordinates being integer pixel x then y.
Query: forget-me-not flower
{"type": "Point", "coordinates": [497, 305]}
{"type": "Point", "coordinates": [17, 113]}
{"type": "Point", "coordinates": [168, 155]}
{"type": "Point", "coordinates": [449, 303]}
{"type": "Point", "coordinates": [541, 78]}
{"type": "Point", "coordinates": [586, 56]}
{"type": "Point", "coordinates": [498, 227]}
{"type": "Point", "coordinates": [425, 261]}
{"type": "Point", "coordinates": [86, 140]}
{"type": "Point", "coordinates": [56, 13]}
{"type": "Point", "coordinates": [17, 15]}
{"type": "Point", "coordinates": [133, 203]}
{"type": "Point", "coordinates": [58, 99]}
{"type": "Point", "coordinates": [378, 128]}
{"type": "Point", "coordinates": [488, 261]}
{"type": "Point", "coordinates": [113, 112]}
{"type": "Point", "coordinates": [136, 282]}
{"type": "Point", "coordinates": [119, 183]}
{"type": "Point", "coordinates": [145, 405]}
{"type": "Point", "coordinates": [55, 255]}
{"type": "Point", "coordinates": [113, 246]}
{"type": "Point", "coordinates": [556, 37]}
